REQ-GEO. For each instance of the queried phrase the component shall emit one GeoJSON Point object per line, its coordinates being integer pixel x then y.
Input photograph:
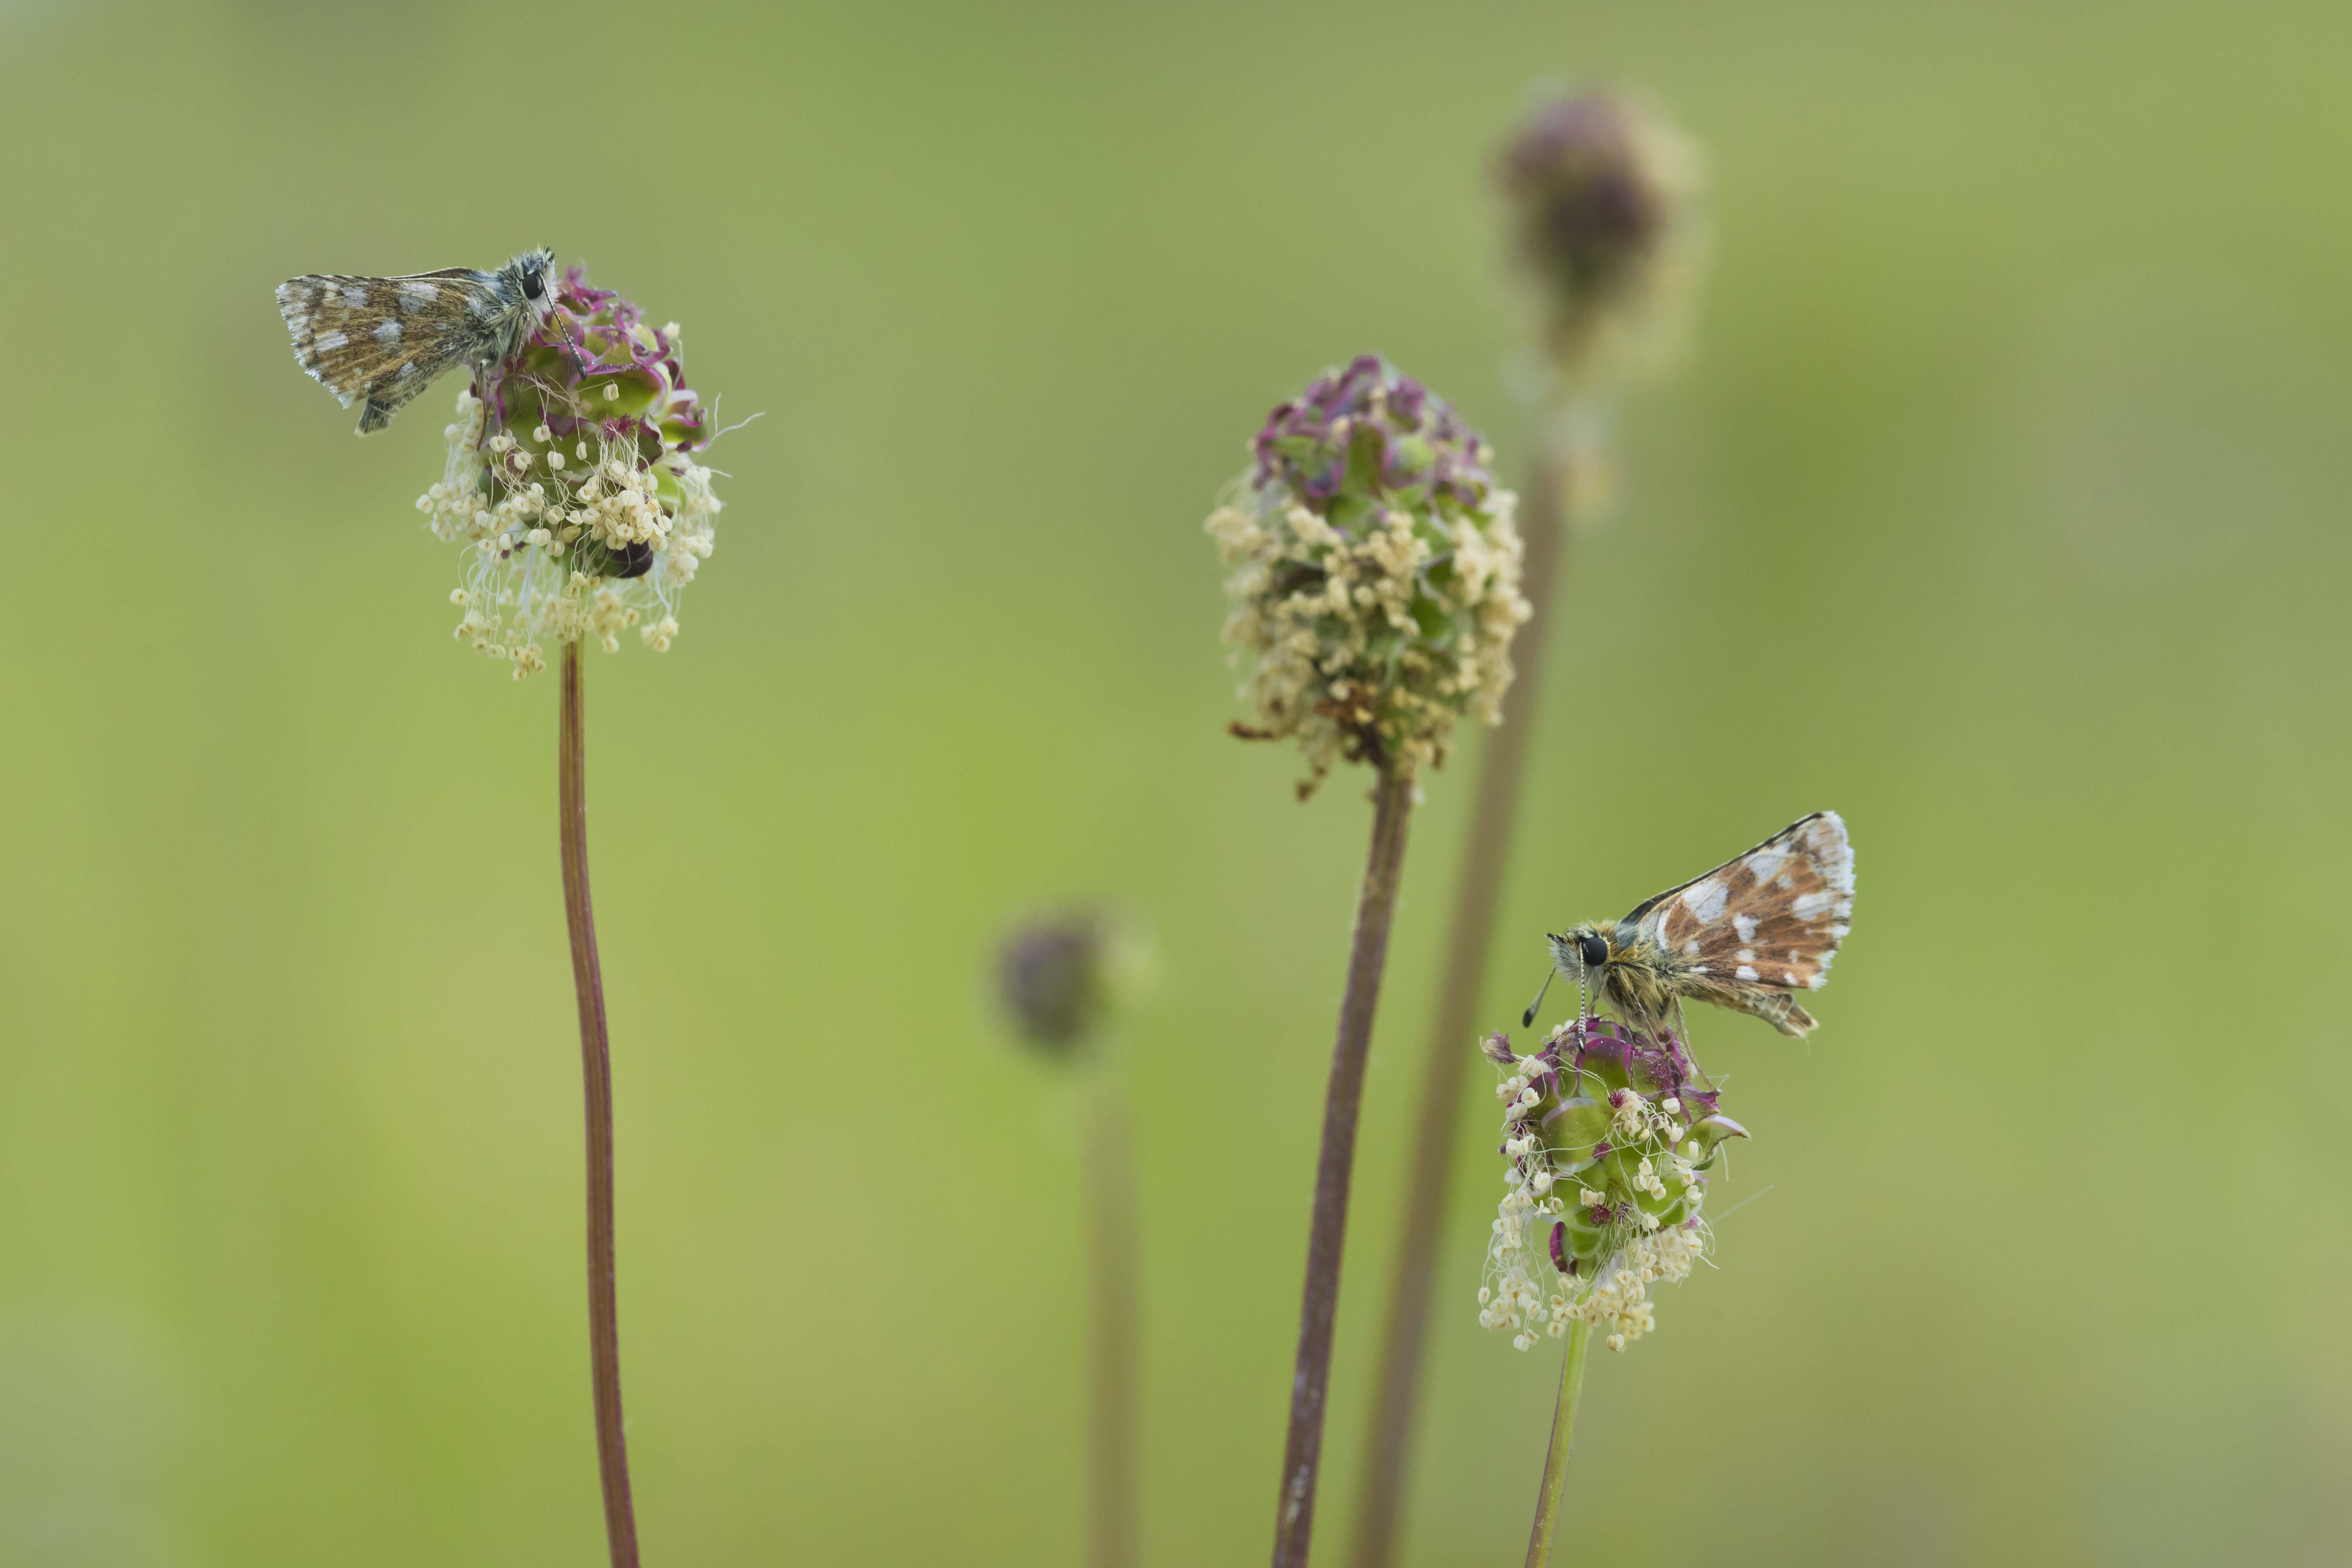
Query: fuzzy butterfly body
{"type": "Point", "coordinates": [379, 342]}
{"type": "Point", "coordinates": [1748, 935]}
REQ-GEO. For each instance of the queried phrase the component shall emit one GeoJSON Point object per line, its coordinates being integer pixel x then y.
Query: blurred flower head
{"type": "Point", "coordinates": [1061, 979]}
{"type": "Point", "coordinates": [1602, 197]}
{"type": "Point", "coordinates": [1372, 571]}
{"type": "Point", "coordinates": [1608, 1137]}
{"type": "Point", "coordinates": [572, 481]}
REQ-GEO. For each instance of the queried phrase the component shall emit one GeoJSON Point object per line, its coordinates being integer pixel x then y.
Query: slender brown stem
{"type": "Point", "coordinates": [1388, 1449]}
{"type": "Point", "coordinates": [1319, 1308]}
{"type": "Point", "coordinates": [1563, 1430]}
{"type": "Point", "coordinates": [596, 1064]}
{"type": "Point", "coordinates": [1110, 1215]}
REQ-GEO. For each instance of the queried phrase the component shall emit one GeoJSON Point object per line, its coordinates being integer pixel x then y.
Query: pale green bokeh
{"type": "Point", "coordinates": [2002, 507]}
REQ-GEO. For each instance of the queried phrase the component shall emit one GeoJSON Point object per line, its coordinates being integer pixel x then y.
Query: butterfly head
{"type": "Point", "coordinates": [534, 275]}
{"type": "Point", "coordinates": [1580, 952]}
{"type": "Point", "coordinates": [527, 288]}
{"type": "Point", "coordinates": [1577, 955]}
{"type": "Point", "coordinates": [528, 283]}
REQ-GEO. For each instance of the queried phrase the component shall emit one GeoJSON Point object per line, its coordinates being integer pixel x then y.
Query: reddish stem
{"type": "Point", "coordinates": [597, 1065]}
{"type": "Point", "coordinates": [1319, 1308]}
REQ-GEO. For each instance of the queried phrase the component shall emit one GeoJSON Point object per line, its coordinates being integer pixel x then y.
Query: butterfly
{"type": "Point", "coordinates": [379, 342]}
{"type": "Point", "coordinates": [1747, 936]}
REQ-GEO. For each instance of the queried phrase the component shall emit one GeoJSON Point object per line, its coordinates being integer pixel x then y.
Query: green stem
{"type": "Point", "coordinates": [596, 1066]}
{"type": "Point", "coordinates": [1110, 1205]}
{"type": "Point", "coordinates": [1563, 1432]}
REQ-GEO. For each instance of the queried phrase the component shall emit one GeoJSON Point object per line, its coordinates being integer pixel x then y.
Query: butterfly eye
{"type": "Point", "coordinates": [1592, 950]}
{"type": "Point", "coordinates": [533, 285]}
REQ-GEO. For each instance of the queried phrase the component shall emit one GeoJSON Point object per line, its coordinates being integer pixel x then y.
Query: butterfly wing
{"type": "Point", "coordinates": [379, 342]}
{"type": "Point", "coordinates": [1763, 925]}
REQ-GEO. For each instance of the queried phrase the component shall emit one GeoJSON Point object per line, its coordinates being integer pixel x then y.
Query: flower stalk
{"type": "Point", "coordinates": [596, 1066]}
{"type": "Point", "coordinates": [1062, 982]}
{"type": "Point", "coordinates": [1563, 1431]}
{"type": "Point", "coordinates": [1114, 1356]}
{"type": "Point", "coordinates": [1343, 1100]}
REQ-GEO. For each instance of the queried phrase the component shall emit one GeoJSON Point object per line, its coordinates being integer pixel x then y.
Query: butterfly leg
{"type": "Point", "coordinates": [1681, 1033]}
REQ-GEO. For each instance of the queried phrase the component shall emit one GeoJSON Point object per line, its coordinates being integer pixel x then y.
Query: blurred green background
{"type": "Point", "coordinates": [2001, 507]}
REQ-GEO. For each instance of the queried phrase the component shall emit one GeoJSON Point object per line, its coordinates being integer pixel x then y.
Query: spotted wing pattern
{"type": "Point", "coordinates": [1762, 926]}
{"type": "Point", "coordinates": [379, 342]}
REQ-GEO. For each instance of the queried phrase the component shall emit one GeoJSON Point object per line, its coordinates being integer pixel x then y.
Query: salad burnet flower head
{"type": "Point", "coordinates": [575, 482]}
{"type": "Point", "coordinates": [1609, 1140]}
{"type": "Point", "coordinates": [1373, 574]}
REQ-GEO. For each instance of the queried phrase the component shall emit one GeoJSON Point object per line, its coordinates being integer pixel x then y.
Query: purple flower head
{"type": "Point", "coordinates": [1612, 1156]}
{"type": "Point", "coordinates": [1370, 429]}
{"type": "Point", "coordinates": [1496, 1048]}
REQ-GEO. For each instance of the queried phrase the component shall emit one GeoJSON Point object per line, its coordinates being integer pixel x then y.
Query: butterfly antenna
{"type": "Point", "coordinates": [1527, 1019]}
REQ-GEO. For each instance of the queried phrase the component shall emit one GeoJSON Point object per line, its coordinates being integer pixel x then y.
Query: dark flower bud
{"type": "Point", "coordinates": [1602, 194]}
{"type": "Point", "coordinates": [1060, 979]}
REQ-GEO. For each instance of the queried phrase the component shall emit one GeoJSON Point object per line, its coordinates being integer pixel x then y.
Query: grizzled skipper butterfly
{"type": "Point", "coordinates": [1745, 936]}
{"type": "Point", "coordinates": [379, 342]}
